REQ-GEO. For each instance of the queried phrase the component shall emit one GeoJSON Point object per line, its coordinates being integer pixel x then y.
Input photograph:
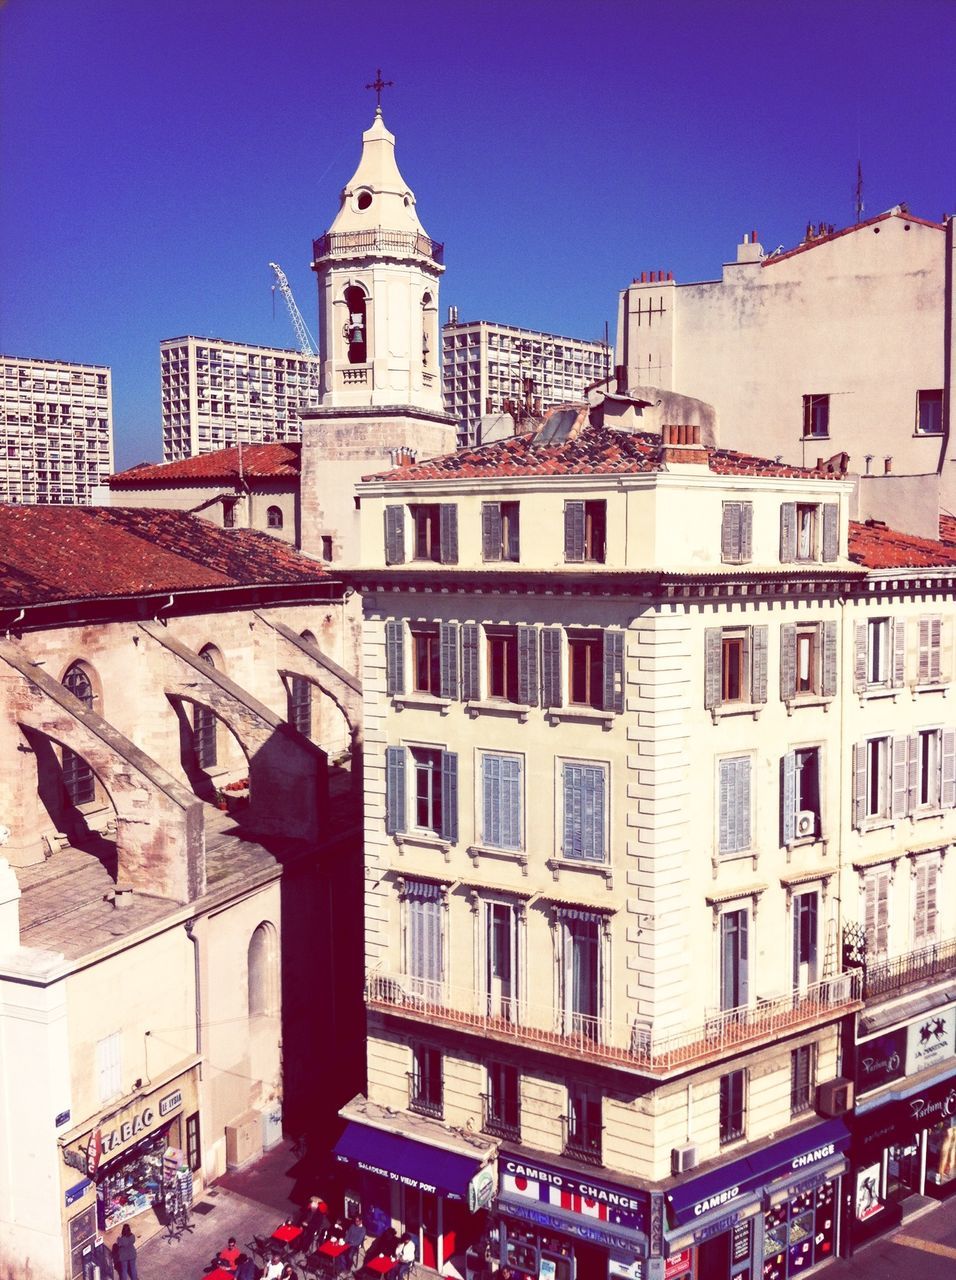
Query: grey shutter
{"type": "Point", "coordinates": [930, 635]}
{"type": "Point", "coordinates": [470, 684]}
{"type": "Point", "coordinates": [746, 531]}
{"type": "Point", "coordinates": [900, 778]}
{"type": "Point", "coordinates": [912, 771]}
{"type": "Point", "coordinates": [394, 789]}
{"type": "Point", "coordinates": [788, 532]}
{"type": "Point", "coordinates": [859, 783]}
{"type": "Point", "coordinates": [829, 685]}
{"type": "Point", "coordinates": [584, 787]}
{"type": "Point", "coordinates": [491, 800]}
{"type": "Point", "coordinates": [394, 535]}
{"type": "Point", "coordinates": [788, 797]}
{"type": "Point", "coordinates": [613, 670]}
{"type": "Point", "coordinates": [449, 796]}
{"type": "Point", "coordinates": [514, 536]}
{"type": "Point", "coordinates": [831, 530]}
{"type": "Point", "coordinates": [491, 530]}
{"type": "Point", "coordinates": [394, 657]}
{"type": "Point", "coordinates": [860, 653]}
{"type": "Point", "coordinates": [730, 533]}
{"type": "Point", "coordinates": [921, 931]}
{"type": "Point", "coordinates": [788, 661]}
{"type": "Point", "coordinates": [734, 804]}
{"type": "Point", "coordinates": [551, 667]}
{"type": "Point", "coordinates": [876, 912]}
{"type": "Point", "coordinates": [725, 795]}
{"type": "Point", "coordinates": [573, 531]}
{"type": "Point", "coordinates": [713, 661]}
{"type": "Point", "coordinates": [899, 652]}
{"type": "Point", "coordinates": [947, 790]}
{"type": "Point", "coordinates": [743, 802]}
{"type": "Point", "coordinates": [504, 798]}
{"type": "Point", "coordinates": [448, 658]}
{"type": "Point", "coordinates": [448, 532]}
{"type": "Point", "coordinates": [758, 664]}
{"type": "Point", "coordinates": [528, 666]}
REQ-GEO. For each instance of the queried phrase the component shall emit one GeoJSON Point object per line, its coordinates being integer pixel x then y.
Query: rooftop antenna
{"type": "Point", "coordinates": [378, 84]}
{"type": "Point", "coordinates": [859, 190]}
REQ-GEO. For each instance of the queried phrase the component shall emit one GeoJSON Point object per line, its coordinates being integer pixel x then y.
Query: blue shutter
{"type": "Point", "coordinates": [491, 530]}
{"type": "Point", "coordinates": [394, 535]}
{"type": "Point", "coordinates": [551, 667]}
{"type": "Point", "coordinates": [730, 533]}
{"type": "Point", "coordinates": [514, 538]}
{"type": "Point", "coordinates": [584, 810]}
{"type": "Point", "coordinates": [501, 801]}
{"type": "Point", "coordinates": [734, 803]}
{"type": "Point", "coordinates": [470, 684]}
{"type": "Point", "coordinates": [394, 657]}
{"type": "Point", "coordinates": [449, 796]}
{"type": "Point", "coordinates": [788, 797]}
{"type": "Point", "coordinates": [829, 684]}
{"type": "Point", "coordinates": [573, 531]}
{"type": "Point", "coordinates": [758, 665]}
{"type": "Point", "coordinates": [788, 532]}
{"type": "Point", "coordinates": [448, 658]}
{"type": "Point", "coordinates": [613, 670]}
{"type": "Point", "coordinates": [788, 661]}
{"type": "Point", "coordinates": [448, 532]}
{"type": "Point", "coordinates": [491, 800]}
{"type": "Point", "coordinates": [746, 531]}
{"type": "Point", "coordinates": [725, 794]}
{"type": "Point", "coordinates": [713, 663]}
{"type": "Point", "coordinates": [394, 789]}
{"type": "Point", "coordinates": [528, 666]}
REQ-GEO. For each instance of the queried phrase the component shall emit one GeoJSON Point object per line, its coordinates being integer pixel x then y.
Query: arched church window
{"type": "Point", "coordinates": [263, 971]}
{"type": "Point", "coordinates": [300, 704]}
{"type": "Point", "coordinates": [204, 724]}
{"type": "Point", "coordinates": [356, 329]}
{"type": "Point", "coordinates": [274, 517]}
{"type": "Point", "coordinates": [78, 777]}
{"type": "Point", "coordinates": [429, 330]}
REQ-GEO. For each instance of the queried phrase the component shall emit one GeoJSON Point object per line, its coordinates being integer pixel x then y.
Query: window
{"type": "Point", "coordinates": [929, 413]}
{"type": "Point", "coordinates": [394, 535]}
{"type": "Point", "coordinates": [584, 1125]}
{"type": "Point", "coordinates": [503, 1102]}
{"type": "Point", "coordinates": [500, 539]}
{"type": "Point", "coordinates": [801, 527]}
{"type": "Point", "coordinates": [229, 513]}
{"type": "Point", "coordinates": [423, 937]}
{"type": "Point", "coordinates": [928, 768]}
{"type": "Point", "coordinates": [734, 948]}
{"type": "Point", "coordinates": [808, 660]}
{"type": "Point", "coordinates": [816, 416]}
{"type": "Point", "coordinates": [876, 915]}
{"type": "Point", "coordinates": [193, 1146]}
{"type": "Point", "coordinates": [426, 661]}
{"type": "Point", "coordinates": [503, 663]}
{"type": "Point", "coordinates": [734, 676]}
{"type": "Point", "coordinates": [734, 804]}
{"type": "Point", "coordinates": [78, 777]}
{"type": "Point", "coordinates": [326, 547]}
{"type": "Point", "coordinates": [596, 669]}
{"type": "Point", "coordinates": [925, 885]}
{"type": "Point", "coordinates": [501, 960]}
{"type": "Point", "coordinates": [501, 802]}
{"type": "Point", "coordinates": [434, 791]}
{"type": "Point", "coordinates": [426, 764]}
{"type": "Point", "coordinates": [274, 517]}
{"type": "Point", "coordinates": [877, 794]}
{"type": "Point", "coordinates": [735, 666]}
{"type": "Point", "coordinates": [805, 938]}
{"type": "Point", "coordinates": [585, 531]}
{"type": "Point", "coordinates": [581, 977]}
{"type": "Point", "coordinates": [806, 531]}
{"type": "Point", "coordinates": [930, 646]}
{"type": "Point", "coordinates": [435, 528]}
{"type": "Point", "coordinates": [801, 1079]}
{"type": "Point", "coordinates": [425, 1083]}
{"type": "Point", "coordinates": [204, 726]}
{"type": "Point", "coordinates": [880, 654]}
{"type": "Point", "coordinates": [878, 651]}
{"type": "Point", "coordinates": [300, 704]}
{"type": "Point", "coordinates": [732, 1106]}
{"type": "Point", "coordinates": [801, 795]}
{"type": "Point", "coordinates": [584, 787]}
{"type": "Point", "coordinates": [807, 677]}
{"type": "Point", "coordinates": [262, 972]}
{"type": "Point", "coordinates": [108, 1077]}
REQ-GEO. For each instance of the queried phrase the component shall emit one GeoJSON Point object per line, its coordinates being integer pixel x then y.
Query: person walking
{"type": "Point", "coordinates": [355, 1238]}
{"type": "Point", "coordinates": [126, 1254]}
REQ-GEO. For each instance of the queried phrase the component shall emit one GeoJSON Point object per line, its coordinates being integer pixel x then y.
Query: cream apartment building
{"type": "Point", "coordinates": [613, 848]}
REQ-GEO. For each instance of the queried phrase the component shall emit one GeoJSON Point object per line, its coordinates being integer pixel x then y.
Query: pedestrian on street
{"type": "Point", "coordinates": [246, 1269]}
{"type": "Point", "coordinates": [355, 1238]}
{"type": "Point", "coordinates": [126, 1254]}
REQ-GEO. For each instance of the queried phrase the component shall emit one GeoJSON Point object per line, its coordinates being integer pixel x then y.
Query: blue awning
{"type": "Point", "coordinates": [400, 1159]}
{"type": "Point", "coordinates": [723, 1188]}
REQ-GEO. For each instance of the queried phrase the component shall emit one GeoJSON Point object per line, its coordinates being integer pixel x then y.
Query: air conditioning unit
{"type": "Point", "coordinates": [835, 1097]}
{"type": "Point", "coordinates": [806, 824]}
{"type": "Point", "coordinates": [683, 1159]}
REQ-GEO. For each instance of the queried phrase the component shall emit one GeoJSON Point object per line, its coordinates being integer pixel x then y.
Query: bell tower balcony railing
{"type": "Point", "coordinates": [377, 240]}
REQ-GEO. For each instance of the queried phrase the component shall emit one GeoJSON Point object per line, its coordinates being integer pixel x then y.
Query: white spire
{"type": "Point", "coordinates": [377, 195]}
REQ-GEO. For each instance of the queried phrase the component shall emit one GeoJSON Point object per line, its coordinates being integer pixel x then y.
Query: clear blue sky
{"type": "Point", "coordinates": [156, 154]}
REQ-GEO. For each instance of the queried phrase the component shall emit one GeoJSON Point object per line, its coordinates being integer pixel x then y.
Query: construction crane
{"type": "Point", "coordinates": [303, 336]}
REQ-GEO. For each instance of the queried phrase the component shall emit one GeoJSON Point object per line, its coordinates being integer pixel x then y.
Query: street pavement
{"type": "Point", "coordinates": [923, 1248]}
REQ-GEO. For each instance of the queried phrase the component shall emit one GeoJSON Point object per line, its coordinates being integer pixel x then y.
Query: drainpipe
{"type": "Point", "coordinates": [190, 927]}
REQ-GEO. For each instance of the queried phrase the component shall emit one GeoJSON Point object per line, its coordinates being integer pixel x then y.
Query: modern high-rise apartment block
{"type": "Point", "coordinates": [485, 364]}
{"type": "Point", "coordinates": [56, 429]}
{"type": "Point", "coordinates": [218, 393]}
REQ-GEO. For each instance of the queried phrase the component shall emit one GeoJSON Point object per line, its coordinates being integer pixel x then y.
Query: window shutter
{"type": "Point", "coordinates": [920, 921]}
{"type": "Point", "coordinates": [394, 657]}
{"type": "Point", "coordinates": [912, 771]}
{"type": "Point", "coordinates": [744, 954]}
{"type": "Point", "coordinates": [491, 800]}
{"type": "Point", "coordinates": [431, 941]}
{"type": "Point", "coordinates": [491, 530]}
{"type": "Point", "coordinates": [829, 687]}
{"type": "Point", "coordinates": [900, 789]}
{"type": "Point", "coordinates": [947, 791]}
{"type": "Point", "coordinates": [394, 535]}
{"type": "Point", "coordinates": [573, 531]}
{"type": "Point", "coordinates": [571, 844]}
{"type": "Point", "coordinates": [449, 796]}
{"type": "Point", "coordinates": [935, 648]}
{"type": "Point", "coordinates": [877, 912]}
{"type": "Point", "coordinates": [584, 787]}
{"type": "Point", "coordinates": [528, 666]}
{"type": "Point", "coordinates": [932, 884]}
{"type": "Point", "coordinates": [514, 537]}
{"type": "Point", "coordinates": [788, 816]}
{"type": "Point", "coordinates": [930, 635]}
{"type": "Point", "coordinates": [510, 799]}
{"type": "Point", "coordinates": [788, 661]}
{"type": "Point", "coordinates": [593, 814]}
{"type": "Point", "coordinates": [613, 670]}
{"type": "Point", "coordinates": [831, 530]}
{"type": "Point", "coordinates": [724, 804]}
{"type": "Point", "coordinates": [758, 669]}
{"type": "Point", "coordinates": [470, 684]}
{"type": "Point", "coordinates": [860, 655]}
{"type": "Point", "coordinates": [899, 652]}
{"type": "Point", "coordinates": [859, 783]}
{"type": "Point", "coordinates": [746, 531]}
{"type": "Point", "coordinates": [394, 789]}
{"type": "Point", "coordinates": [788, 532]}
{"type": "Point", "coordinates": [742, 802]}
{"type": "Point", "coordinates": [448, 658]}
{"type": "Point", "coordinates": [713, 662]}
{"type": "Point", "coordinates": [730, 533]}
{"type": "Point", "coordinates": [448, 532]}
{"type": "Point", "coordinates": [551, 667]}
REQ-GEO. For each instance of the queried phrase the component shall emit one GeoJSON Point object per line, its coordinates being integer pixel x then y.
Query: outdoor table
{"type": "Point", "coordinates": [333, 1252]}
{"type": "Point", "coordinates": [286, 1233]}
{"type": "Point", "coordinates": [381, 1265]}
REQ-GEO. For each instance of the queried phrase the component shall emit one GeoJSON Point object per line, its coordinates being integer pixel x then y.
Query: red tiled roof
{"type": "Point", "coordinates": [276, 461]}
{"type": "Point", "coordinates": [875, 547]}
{"type": "Point", "coordinates": [947, 529]}
{"type": "Point", "coordinates": [845, 231]}
{"type": "Point", "coordinates": [594, 451]}
{"type": "Point", "coordinates": [50, 554]}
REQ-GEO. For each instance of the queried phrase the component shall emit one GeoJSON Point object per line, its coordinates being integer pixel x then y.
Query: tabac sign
{"type": "Point", "coordinates": [118, 1132]}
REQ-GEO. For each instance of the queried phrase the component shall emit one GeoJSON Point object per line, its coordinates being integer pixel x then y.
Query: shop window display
{"type": "Point", "coordinates": [799, 1234]}
{"type": "Point", "coordinates": [941, 1153]}
{"type": "Point", "coordinates": [133, 1184]}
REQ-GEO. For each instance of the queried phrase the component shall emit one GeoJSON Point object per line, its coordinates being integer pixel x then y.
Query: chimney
{"type": "Point", "coordinates": [887, 466]}
{"type": "Point", "coordinates": [681, 443]}
{"type": "Point", "coordinates": [620, 379]}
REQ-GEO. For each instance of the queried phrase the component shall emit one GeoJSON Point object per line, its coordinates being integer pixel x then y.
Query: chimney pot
{"type": "Point", "coordinates": [643, 277]}
{"type": "Point", "coordinates": [746, 238]}
{"type": "Point", "coordinates": [887, 466]}
{"type": "Point", "coordinates": [753, 237]}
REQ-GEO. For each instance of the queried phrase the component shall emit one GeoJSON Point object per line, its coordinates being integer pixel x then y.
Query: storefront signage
{"type": "Point", "coordinates": [583, 1197]}
{"type": "Point", "coordinates": [868, 1202]}
{"type": "Point", "coordinates": [740, 1242]}
{"type": "Point", "coordinates": [170, 1102]}
{"type": "Point", "coordinates": [931, 1040]}
{"type": "Point", "coordinates": [482, 1188]}
{"type": "Point", "coordinates": [597, 1234]}
{"type": "Point", "coordinates": [929, 1110]}
{"type": "Point", "coordinates": [405, 1180]}
{"type": "Point", "coordinates": [94, 1152]}
{"type": "Point", "coordinates": [880, 1060]}
{"type": "Point", "coordinates": [103, 1142]}
{"type": "Point", "coordinates": [625, 1270]}
{"type": "Point", "coordinates": [677, 1264]}
{"type": "Point", "coordinates": [75, 1192]}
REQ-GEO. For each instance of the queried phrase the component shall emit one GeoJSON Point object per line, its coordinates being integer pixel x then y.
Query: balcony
{"type": "Point", "coordinates": [913, 968]}
{"type": "Point", "coordinates": [377, 240]}
{"type": "Point", "coordinates": [630, 1045]}
{"type": "Point", "coordinates": [497, 1123]}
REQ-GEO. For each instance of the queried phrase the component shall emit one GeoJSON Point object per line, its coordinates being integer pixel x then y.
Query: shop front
{"type": "Point", "coordinates": [438, 1193]}
{"type": "Point", "coordinates": [133, 1161]}
{"type": "Point", "coordinates": [555, 1224]}
{"type": "Point", "coordinates": [771, 1215]}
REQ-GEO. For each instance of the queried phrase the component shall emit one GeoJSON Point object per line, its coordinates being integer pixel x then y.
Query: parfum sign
{"type": "Point", "coordinates": [931, 1040]}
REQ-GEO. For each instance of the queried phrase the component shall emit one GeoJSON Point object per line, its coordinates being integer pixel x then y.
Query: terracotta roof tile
{"type": "Point", "coordinates": [276, 461]}
{"type": "Point", "coordinates": [876, 547]}
{"type": "Point", "coordinates": [771, 259]}
{"type": "Point", "coordinates": [50, 554]}
{"type": "Point", "coordinates": [947, 529]}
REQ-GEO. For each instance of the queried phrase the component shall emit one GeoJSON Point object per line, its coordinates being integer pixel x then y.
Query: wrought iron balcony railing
{"type": "Point", "coordinates": [378, 240]}
{"type": "Point", "coordinates": [632, 1045]}
{"type": "Point", "coordinates": [923, 964]}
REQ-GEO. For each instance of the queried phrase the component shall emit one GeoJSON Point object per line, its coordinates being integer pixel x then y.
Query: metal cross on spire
{"type": "Point", "coordinates": [378, 84]}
